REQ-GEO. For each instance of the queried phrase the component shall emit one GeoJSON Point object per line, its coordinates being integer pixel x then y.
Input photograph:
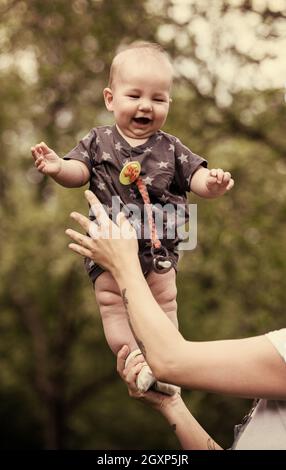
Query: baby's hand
{"type": "Point", "coordinates": [46, 160]}
{"type": "Point", "coordinates": [219, 181]}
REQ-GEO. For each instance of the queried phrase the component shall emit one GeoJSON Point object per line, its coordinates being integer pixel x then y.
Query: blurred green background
{"type": "Point", "coordinates": [58, 384]}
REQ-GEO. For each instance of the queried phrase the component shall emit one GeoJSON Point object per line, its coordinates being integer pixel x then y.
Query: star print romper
{"type": "Point", "coordinates": [167, 167]}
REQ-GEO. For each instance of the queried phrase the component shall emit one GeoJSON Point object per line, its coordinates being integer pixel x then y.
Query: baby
{"type": "Point", "coordinates": [138, 95]}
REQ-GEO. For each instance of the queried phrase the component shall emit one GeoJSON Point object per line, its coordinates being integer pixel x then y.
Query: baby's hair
{"type": "Point", "coordinates": [152, 46]}
{"type": "Point", "coordinates": [149, 47]}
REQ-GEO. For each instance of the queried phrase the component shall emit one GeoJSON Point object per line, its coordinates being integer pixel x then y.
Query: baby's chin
{"type": "Point", "coordinates": [142, 132]}
{"type": "Point", "coordinates": [137, 133]}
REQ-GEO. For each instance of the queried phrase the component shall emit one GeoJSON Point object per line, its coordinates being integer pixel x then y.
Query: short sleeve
{"type": "Point", "coordinates": [278, 339]}
{"type": "Point", "coordinates": [85, 151]}
{"type": "Point", "coordinates": [186, 164]}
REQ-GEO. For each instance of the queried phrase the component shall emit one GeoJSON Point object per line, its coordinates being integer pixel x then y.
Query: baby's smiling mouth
{"type": "Point", "coordinates": [142, 120]}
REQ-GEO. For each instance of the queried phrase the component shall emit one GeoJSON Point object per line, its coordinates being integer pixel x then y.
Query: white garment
{"type": "Point", "coordinates": [264, 428]}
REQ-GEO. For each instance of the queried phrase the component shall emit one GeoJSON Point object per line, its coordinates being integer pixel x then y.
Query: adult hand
{"type": "Point", "coordinates": [129, 373]}
{"type": "Point", "coordinates": [110, 245]}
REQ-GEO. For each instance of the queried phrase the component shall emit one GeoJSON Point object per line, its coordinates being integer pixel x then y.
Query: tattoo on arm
{"type": "Point", "coordinates": [210, 444]}
{"type": "Point", "coordinates": [125, 300]}
{"type": "Point", "coordinates": [125, 303]}
{"type": "Point", "coordinates": [142, 347]}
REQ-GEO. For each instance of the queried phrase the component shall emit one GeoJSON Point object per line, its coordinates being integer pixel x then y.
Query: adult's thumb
{"type": "Point", "coordinates": [121, 219]}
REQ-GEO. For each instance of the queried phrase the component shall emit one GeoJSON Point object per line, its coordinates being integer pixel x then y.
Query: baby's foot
{"type": "Point", "coordinates": [167, 389]}
{"type": "Point", "coordinates": [146, 379]}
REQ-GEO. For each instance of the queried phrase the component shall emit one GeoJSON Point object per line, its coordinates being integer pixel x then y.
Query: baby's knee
{"type": "Point", "coordinates": [108, 300]}
{"type": "Point", "coordinates": [168, 303]}
{"type": "Point", "coordinates": [164, 291]}
{"type": "Point", "coordinates": [166, 294]}
{"type": "Point", "coordinates": [106, 292]}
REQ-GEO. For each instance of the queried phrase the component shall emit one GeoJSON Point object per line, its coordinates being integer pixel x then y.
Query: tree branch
{"type": "Point", "coordinates": [89, 390]}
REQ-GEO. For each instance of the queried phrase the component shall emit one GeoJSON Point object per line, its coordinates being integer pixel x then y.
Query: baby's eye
{"type": "Point", "coordinates": [160, 100]}
{"type": "Point", "coordinates": [133, 96]}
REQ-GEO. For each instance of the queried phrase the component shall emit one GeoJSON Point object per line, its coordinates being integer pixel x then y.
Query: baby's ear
{"type": "Point", "coordinates": [108, 98]}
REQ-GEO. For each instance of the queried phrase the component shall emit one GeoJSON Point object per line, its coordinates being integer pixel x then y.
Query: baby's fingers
{"type": "Point", "coordinates": [121, 358]}
{"type": "Point", "coordinates": [38, 149]}
{"type": "Point", "coordinates": [226, 178]}
{"type": "Point", "coordinates": [39, 160]}
{"type": "Point", "coordinates": [35, 153]}
{"type": "Point", "coordinates": [42, 148]}
{"type": "Point", "coordinates": [219, 175]}
{"type": "Point", "coordinates": [230, 184]}
{"type": "Point", "coordinates": [42, 167]}
{"type": "Point", "coordinates": [211, 181]}
{"type": "Point", "coordinates": [40, 164]}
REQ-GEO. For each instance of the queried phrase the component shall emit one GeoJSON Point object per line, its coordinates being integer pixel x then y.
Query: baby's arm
{"type": "Point", "coordinates": [211, 183]}
{"type": "Point", "coordinates": [68, 173]}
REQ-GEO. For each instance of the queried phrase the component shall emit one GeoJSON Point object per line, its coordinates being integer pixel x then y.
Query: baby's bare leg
{"type": "Point", "coordinates": [113, 314]}
{"type": "Point", "coordinates": [163, 287]}
{"type": "Point", "coordinates": [115, 321]}
{"type": "Point", "coordinates": [116, 326]}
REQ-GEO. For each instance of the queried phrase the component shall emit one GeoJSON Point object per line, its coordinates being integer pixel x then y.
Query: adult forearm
{"type": "Point", "coordinates": [189, 432]}
{"type": "Point", "coordinates": [236, 367]}
{"type": "Point", "coordinates": [157, 336]}
{"type": "Point", "coordinates": [72, 174]}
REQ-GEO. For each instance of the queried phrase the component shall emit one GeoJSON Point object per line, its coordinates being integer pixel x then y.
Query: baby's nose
{"type": "Point", "coordinates": [145, 105]}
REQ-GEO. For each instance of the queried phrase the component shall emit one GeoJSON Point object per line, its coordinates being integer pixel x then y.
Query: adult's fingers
{"type": "Point", "coordinates": [80, 250]}
{"type": "Point", "coordinates": [120, 219]}
{"type": "Point", "coordinates": [79, 238]}
{"type": "Point", "coordinates": [97, 208]}
{"type": "Point", "coordinates": [88, 225]}
{"type": "Point", "coordinates": [91, 197]}
{"type": "Point", "coordinates": [93, 230]}
{"type": "Point", "coordinates": [131, 377]}
{"type": "Point", "coordinates": [81, 219]}
{"type": "Point", "coordinates": [121, 358]}
{"type": "Point", "coordinates": [127, 231]}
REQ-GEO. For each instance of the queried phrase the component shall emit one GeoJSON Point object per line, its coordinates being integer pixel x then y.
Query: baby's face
{"type": "Point", "coordinates": [140, 95]}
